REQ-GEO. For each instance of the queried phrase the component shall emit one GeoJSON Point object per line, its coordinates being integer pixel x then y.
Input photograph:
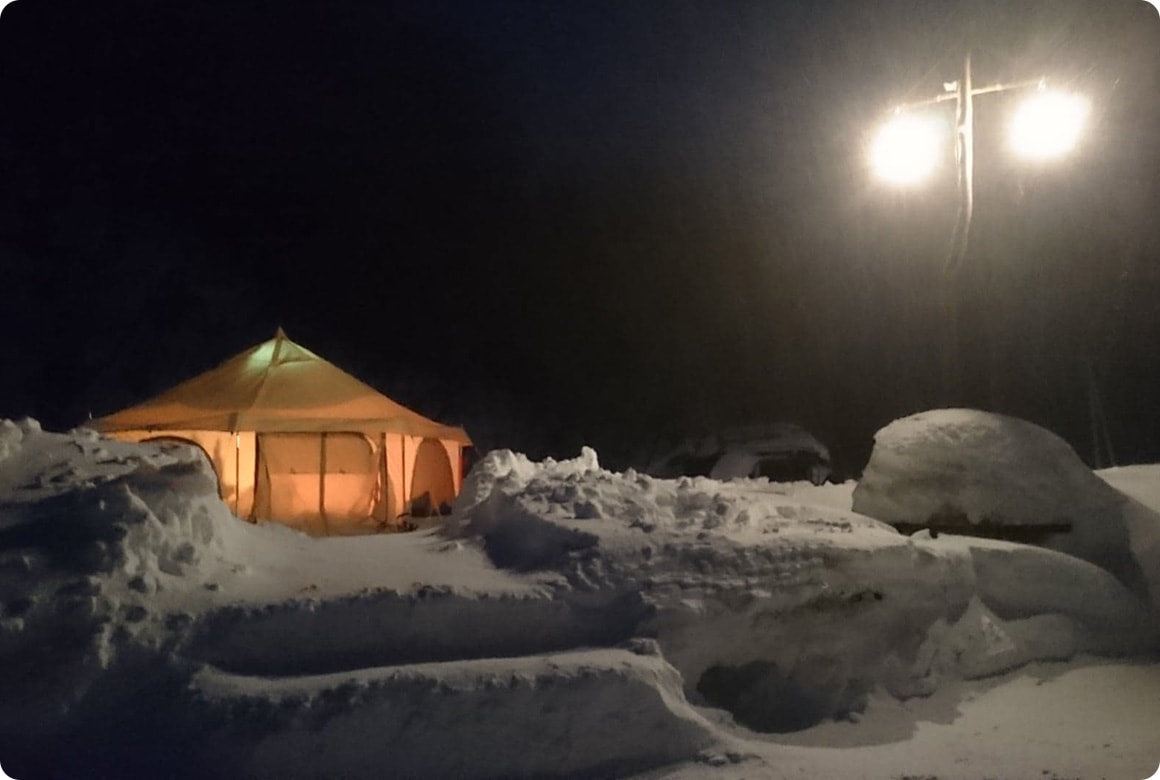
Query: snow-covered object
{"type": "Point", "coordinates": [91, 532]}
{"type": "Point", "coordinates": [145, 631]}
{"type": "Point", "coordinates": [961, 466]}
{"type": "Point", "coordinates": [737, 453]}
{"type": "Point", "coordinates": [778, 437]}
{"type": "Point", "coordinates": [12, 434]}
{"type": "Point", "coordinates": [783, 612]}
{"type": "Point", "coordinates": [980, 644]}
{"type": "Point", "coordinates": [137, 612]}
{"type": "Point", "coordinates": [596, 713]}
{"type": "Point", "coordinates": [1141, 485]}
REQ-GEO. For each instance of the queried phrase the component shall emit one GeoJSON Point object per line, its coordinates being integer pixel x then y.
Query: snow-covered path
{"type": "Point", "coordinates": [1086, 719]}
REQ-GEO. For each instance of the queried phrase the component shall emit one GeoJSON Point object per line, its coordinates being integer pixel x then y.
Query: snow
{"type": "Point", "coordinates": [961, 466]}
{"type": "Point", "coordinates": [603, 712]}
{"type": "Point", "coordinates": [1049, 721]}
{"type": "Point", "coordinates": [1141, 486]}
{"type": "Point", "coordinates": [734, 453]}
{"type": "Point", "coordinates": [568, 620]}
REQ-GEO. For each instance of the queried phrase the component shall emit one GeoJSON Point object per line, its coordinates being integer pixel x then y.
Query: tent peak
{"type": "Point", "coordinates": [277, 386]}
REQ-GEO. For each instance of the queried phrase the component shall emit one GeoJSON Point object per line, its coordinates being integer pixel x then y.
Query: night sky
{"type": "Point", "coordinates": [577, 222]}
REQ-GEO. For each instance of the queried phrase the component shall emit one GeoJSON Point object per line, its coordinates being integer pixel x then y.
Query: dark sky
{"type": "Point", "coordinates": [576, 222]}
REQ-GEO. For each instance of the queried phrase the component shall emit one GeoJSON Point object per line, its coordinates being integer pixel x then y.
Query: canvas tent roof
{"type": "Point", "coordinates": [277, 386]}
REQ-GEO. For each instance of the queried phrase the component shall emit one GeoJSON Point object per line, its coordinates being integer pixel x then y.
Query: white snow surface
{"type": "Point", "coordinates": [970, 467]}
{"type": "Point", "coordinates": [569, 621]}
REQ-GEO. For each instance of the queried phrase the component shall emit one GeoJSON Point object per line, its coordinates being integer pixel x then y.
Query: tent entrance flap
{"type": "Point", "coordinates": [317, 482]}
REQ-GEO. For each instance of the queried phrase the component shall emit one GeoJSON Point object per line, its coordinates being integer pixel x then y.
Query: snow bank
{"type": "Point", "coordinates": [596, 713]}
{"type": "Point", "coordinates": [91, 532]}
{"type": "Point", "coordinates": [1141, 484]}
{"type": "Point", "coordinates": [958, 466]}
{"type": "Point", "coordinates": [12, 435]}
{"type": "Point", "coordinates": [130, 595]}
{"type": "Point", "coordinates": [785, 612]}
{"type": "Point", "coordinates": [154, 634]}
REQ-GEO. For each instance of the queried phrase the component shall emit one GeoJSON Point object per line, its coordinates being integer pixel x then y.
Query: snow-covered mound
{"type": "Point", "coordinates": [781, 451]}
{"type": "Point", "coordinates": [570, 621]}
{"type": "Point", "coordinates": [145, 631]}
{"type": "Point", "coordinates": [595, 713]}
{"type": "Point", "coordinates": [956, 467]}
{"type": "Point", "coordinates": [1141, 485]}
{"type": "Point", "coordinates": [93, 535]}
{"type": "Point", "coordinates": [786, 613]}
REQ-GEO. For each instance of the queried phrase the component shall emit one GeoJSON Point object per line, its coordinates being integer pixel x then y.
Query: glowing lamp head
{"type": "Point", "coordinates": [1048, 125]}
{"type": "Point", "coordinates": [907, 149]}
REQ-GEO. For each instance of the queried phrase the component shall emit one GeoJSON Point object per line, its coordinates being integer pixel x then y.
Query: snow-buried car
{"type": "Point", "coordinates": [780, 452]}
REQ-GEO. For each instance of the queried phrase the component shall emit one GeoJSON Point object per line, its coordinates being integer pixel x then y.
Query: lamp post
{"type": "Point", "coordinates": [908, 147]}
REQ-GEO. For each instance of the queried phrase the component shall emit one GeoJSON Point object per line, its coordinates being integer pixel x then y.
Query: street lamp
{"type": "Point", "coordinates": [910, 145]}
{"type": "Point", "coordinates": [908, 148]}
{"type": "Point", "coordinates": [1048, 124]}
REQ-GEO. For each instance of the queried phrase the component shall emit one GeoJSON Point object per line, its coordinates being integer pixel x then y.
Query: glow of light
{"type": "Point", "coordinates": [907, 149]}
{"type": "Point", "coordinates": [1048, 125]}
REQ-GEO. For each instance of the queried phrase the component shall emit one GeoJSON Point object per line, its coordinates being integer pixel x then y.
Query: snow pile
{"type": "Point", "coordinates": [153, 633]}
{"type": "Point", "coordinates": [596, 713]}
{"type": "Point", "coordinates": [981, 645]}
{"type": "Point", "coordinates": [91, 531]}
{"type": "Point", "coordinates": [954, 467]}
{"type": "Point", "coordinates": [787, 613]}
{"type": "Point", "coordinates": [1141, 485]}
{"type": "Point", "coordinates": [12, 434]}
{"type": "Point", "coordinates": [569, 621]}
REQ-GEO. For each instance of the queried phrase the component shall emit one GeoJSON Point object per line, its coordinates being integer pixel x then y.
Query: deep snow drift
{"type": "Point", "coordinates": [569, 620]}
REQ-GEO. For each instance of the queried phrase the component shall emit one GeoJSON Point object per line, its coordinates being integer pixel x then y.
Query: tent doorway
{"type": "Point", "coordinates": [433, 484]}
{"type": "Point", "coordinates": [311, 480]}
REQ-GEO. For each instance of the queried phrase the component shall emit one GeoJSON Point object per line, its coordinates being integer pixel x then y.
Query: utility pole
{"type": "Point", "coordinates": [951, 289]}
{"type": "Point", "coordinates": [963, 92]}
{"type": "Point", "coordinates": [965, 157]}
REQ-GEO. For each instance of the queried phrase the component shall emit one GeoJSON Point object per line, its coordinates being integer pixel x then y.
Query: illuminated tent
{"type": "Point", "coordinates": [295, 439]}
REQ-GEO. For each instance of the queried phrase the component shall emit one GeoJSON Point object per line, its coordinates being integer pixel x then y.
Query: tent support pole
{"type": "Point", "coordinates": [257, 477]}
{"type": "Point", "coordinates": [382, 510]}
{"type": "Point", "coordinates": [322, 484]}
{"type": "Point", "coordinates": [237, 473]}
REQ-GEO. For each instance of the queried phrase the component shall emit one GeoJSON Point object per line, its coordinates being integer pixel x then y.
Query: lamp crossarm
{"type": "Point", "coordinates": [953, 94]}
